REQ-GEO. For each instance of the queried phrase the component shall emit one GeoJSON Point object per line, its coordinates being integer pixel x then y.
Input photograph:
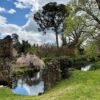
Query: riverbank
{"type": "Point", "coordinates": [80, 86]}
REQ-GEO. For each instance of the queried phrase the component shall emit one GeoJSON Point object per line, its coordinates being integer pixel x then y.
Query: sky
{"type": "Point", "coordinates": [16, 16]}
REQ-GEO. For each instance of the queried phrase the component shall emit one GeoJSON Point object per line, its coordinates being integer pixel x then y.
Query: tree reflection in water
{"type": "Point", "coordinates": [30, 83]}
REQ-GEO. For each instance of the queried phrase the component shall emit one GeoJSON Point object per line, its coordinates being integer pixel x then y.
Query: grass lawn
{"type": "Point", "coordinates": [80, 86]}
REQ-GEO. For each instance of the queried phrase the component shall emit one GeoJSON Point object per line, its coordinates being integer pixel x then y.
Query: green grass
{"type": "Point", "coordinates": [80, 86]}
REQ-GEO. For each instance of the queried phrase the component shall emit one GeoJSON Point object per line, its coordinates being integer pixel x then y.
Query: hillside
{"type": "Point", "coordinates": [80, 86]}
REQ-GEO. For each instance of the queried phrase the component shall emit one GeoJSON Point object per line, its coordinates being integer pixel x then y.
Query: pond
{"type": "Point", "coordinates": [28, 85]}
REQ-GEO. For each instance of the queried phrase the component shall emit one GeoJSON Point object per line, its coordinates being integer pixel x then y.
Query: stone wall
{"type": "Point", "coordinates": [51, 74]}
{"type": "Point", "coordinates": [6, 47]}
{"type": "Point", "coordinates": [5, 60]}
{"type": "Point", "coordinates": [56, 70]}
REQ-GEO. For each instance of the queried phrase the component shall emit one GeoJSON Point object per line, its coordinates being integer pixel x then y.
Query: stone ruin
{"type": "Point", "coordinates": [6, 47]}
{"type": "Point", "coordinates": [6, 56]}
{"type": "Point", "coordinates": [56, 69]}
{"type": "Point", "coordinates": [51, 71]}
{"type": "Point", "coordinates": [31, 68]}
{"type": "Point", "coordinates": [5, 59]}
{"type": "Point", "coordinates": [51, 74]}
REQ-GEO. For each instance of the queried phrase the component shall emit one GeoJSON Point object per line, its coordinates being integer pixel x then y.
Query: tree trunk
{"type": "Point", "coordinates": [64, 42]}
{"type": "Point", "coordinates": [91, 14]}
{"type": "Point", "coordinates": [57, 42]}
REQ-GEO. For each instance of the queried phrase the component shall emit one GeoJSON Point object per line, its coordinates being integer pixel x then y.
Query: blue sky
{"type": "Point", "coordinates": [16, 16]}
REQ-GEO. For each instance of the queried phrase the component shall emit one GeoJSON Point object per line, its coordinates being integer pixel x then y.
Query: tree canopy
{"type": "Point", "coordinates": [52, 16]}
{"type": "Point", "coordinates": [83, 23]}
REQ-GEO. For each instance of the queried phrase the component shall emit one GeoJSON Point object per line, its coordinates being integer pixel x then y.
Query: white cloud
{"type": "Point", "coordinates": [27, 4]}
{"type": "Point", "coordinates": [27, 16]}
{"type": "Point", "coordinates": [11, 11]}
{"type": "Point", "coordinates": [37, 38]}
{"type": "Point", "coordinates": [19, 5]}
{"type": "Point", "coordinates": [43, 2]}
{"type": "Point", "coordinates": [6, 28]}
{"type": "Point", "coordinates": [35, 4]}
{"type": "Point", "coordinates": [2, 9]}
{"type": "Point", "coordinates": [29, 30]}
{"type": "Point", "coordinates": [32, 36]}
{"type": "Point", "coordinates": [3, 20]}
{"type": "Point", "coordinates": [30, 24]}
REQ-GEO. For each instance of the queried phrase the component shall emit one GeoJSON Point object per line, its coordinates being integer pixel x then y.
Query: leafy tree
{"type": "Point", "coordinates": [25, 46]}
{"type": "Point", "coordinates": [91, 49]}
{"type": "Point", "coordinates": [76, 32]}
{"type": "Point", "coordinates": [15, 37]}
{"type": "Point", "coordinates": [16, 43]}
{"type": "Point", "coordinates": [97, 43]}
{"type": "Point", "coordinates": [75, 28]}
{"type": "Point", "coordinates": [52, 16]}
{"type": "Point", "coordinates": [92, 9]}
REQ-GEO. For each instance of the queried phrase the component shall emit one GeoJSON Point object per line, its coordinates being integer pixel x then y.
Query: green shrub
{"type": "Point", "coordinates": [80, 62]}
{"type": "Point", "coordinates": [96, 65]}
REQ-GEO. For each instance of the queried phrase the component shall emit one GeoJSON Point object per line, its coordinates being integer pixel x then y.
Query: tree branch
{"type": "Point", "coordinates": [91, 14]}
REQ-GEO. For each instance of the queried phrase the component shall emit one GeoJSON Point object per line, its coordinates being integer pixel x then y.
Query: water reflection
{"type": "Point", "coordinates": [86, 68]}
{"type": "Point", "coordinates": [29, 85]}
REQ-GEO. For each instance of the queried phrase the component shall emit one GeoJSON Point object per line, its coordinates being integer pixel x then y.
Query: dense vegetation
{"type": "Point", "coordinates": [78, 25]}
{"type": "Point", "coordinates": [80, 86]}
